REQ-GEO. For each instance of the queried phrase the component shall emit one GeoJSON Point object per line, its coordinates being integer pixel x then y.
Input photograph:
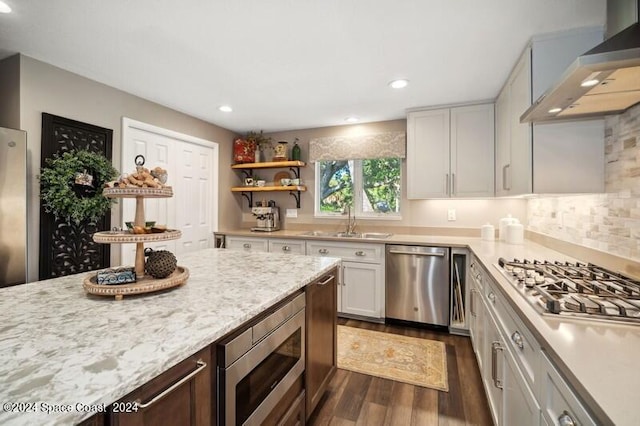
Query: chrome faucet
{"type": "Point", "coordinates": [351, 225]}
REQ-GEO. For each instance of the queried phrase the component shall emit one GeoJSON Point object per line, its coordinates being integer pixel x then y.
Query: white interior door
{"type": "Point", "coordinates": [191, 165]}
{"type": "Point", "coordinates": [194, 180]}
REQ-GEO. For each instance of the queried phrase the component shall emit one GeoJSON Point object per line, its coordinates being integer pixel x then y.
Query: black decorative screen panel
{"type": "Point", "coordinates": [67, 248]}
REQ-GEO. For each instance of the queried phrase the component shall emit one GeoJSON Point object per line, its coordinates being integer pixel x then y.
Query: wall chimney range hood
{"type": "Point", "coordinates": [605, 80]}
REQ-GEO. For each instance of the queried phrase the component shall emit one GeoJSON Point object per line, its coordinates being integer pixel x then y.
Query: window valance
{"type": "Point", "coordinates": [378, 145]}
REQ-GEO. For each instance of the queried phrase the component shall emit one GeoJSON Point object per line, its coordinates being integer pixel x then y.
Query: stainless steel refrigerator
{"type": "Point", "coordinates": [13, 207]}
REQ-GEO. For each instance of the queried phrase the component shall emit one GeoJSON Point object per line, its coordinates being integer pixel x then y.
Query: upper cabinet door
{"type": "Point", "coordinates": [503, 142]}
{"type": "Point", "coordinates": [428, 154]}
{"type": "Point", "coordinates": [519, 173]}
{"type": "Point", "coordinates": [472, 151]}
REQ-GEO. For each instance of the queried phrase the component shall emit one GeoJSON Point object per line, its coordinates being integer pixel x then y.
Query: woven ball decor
{"type": "Point", "coordinates": [160, 263]}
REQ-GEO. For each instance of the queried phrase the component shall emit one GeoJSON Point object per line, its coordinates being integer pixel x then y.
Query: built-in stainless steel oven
{"type": "Point", "coordinates": [257, 365]}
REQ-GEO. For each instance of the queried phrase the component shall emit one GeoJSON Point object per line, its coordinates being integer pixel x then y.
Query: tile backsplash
{"type": "Point", "coordinates": [609, 222]}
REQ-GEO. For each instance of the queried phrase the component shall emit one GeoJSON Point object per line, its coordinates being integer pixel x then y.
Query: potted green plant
{"type": "Point", "coordinates": [264, 144]}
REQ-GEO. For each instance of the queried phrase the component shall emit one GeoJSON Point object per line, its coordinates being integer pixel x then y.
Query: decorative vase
{"type": "Point", "coordinates": [295, 151]}
{"type": "Point", "coordinates": [280, 151]}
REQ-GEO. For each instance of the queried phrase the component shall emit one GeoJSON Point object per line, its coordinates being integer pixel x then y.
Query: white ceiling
{"type": "Point", "coordinates": [290, 64]}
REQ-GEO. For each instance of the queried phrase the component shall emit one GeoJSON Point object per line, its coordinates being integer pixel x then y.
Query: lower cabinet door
{"type": "Point", "coordinates": [519, 406]}
{"type": "Point", "coordinates": [361, 289]}
{"type": "Point", "coordinates": [476, 325]}
{"type": "Point", "coordinates": [493, 368]}
{"type": "Point", "coordinates": [179, 396]}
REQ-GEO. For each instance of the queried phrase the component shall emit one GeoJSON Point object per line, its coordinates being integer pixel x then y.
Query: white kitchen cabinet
{"type": "Point", "coordinates": [472, 146]}
{"type": "Point", "coordinates": [510, 355]}
{"type": "Point", "coordinates": [493, 368]}
{"type": "Point", "coordinates": [477, 312]}
{"type": "Point", "coordinates": [361, 290]}
{"type": "Point", "coordinates": [287, 246]}
{"type": "Point", "coordinates": [247, 243]}
{"type": "Point", "coordinates": [361, 284]}
{"type": "Point", "coordinates": [450, 152]}
{"type": "Point", "coordinates": [558, 402]}
{"type": "Point", "coordinates": [546, 158]}
{"type": "Point", "coordinates": [519, 406]}
{"type": "Point", "coordinates": [428, 154]}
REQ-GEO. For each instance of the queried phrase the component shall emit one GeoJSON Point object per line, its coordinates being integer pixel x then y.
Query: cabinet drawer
{"type": "Point", "coordinates": [558, 403]}
{"type": "Point", "coordinates": [367, 253]}
{"type": "Point", "coordinates": [287, 246]}
{"type": "Point", "coordinates": [247, 244]}
{"type": "Point", "coordinates": [518, 339]}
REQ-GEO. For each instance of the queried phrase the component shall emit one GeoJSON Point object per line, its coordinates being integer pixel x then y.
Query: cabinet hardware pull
{"type": "Point", "coordinates": [286, 248]}
{"type": "Point", "coordinates": [446, 183]}
{"type": "Point", "coordinates": [201, 366]}
{"type": "Point", "coordinates": [453, 183]}
{"type": "Point", "coordinates": [504, 178]}
{"type": "Point", "coordinates": [495, 347]}
{"type": "Point", "coordinates": [472, 302]}
{"type": "Point", "coordinates": [492, 297]}
{"type": "Point", "coordinates": [328, 280]}
{"type": "Point", "coordinates": [565, 419]}
{"type": "Point", "coordinates": [246, 245]}
{"type": "Point", "coordinates": [517, 339]}
{"type": "Point", "coordinates": [360, 253]}
{"type": "Point", "coordinates": [343, 283]}
{"type": "Point", "coordinates": [323, 251]}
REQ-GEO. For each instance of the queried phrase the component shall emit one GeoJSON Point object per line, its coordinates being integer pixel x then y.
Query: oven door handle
{"type": "Point", "coordinates": [201, 366]}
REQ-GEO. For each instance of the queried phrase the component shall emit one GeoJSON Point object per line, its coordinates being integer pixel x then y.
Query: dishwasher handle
{"type": "Point", "coordinates": [414, 253]}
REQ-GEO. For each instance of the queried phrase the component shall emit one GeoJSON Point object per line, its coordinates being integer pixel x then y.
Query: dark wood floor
{"type": "Point", "coordinates": [358, 399]}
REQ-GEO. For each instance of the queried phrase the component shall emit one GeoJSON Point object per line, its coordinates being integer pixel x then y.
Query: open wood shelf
{"type": "Point", "coordinates": [269, 165]}
{"type": "Point", "coordinates": [299, 188]}
{"type": "Point", "coordinates": [247, 191]}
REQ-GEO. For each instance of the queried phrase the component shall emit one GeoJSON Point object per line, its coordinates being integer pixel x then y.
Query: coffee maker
{"type": "Point", "coordinates": [267, 217]}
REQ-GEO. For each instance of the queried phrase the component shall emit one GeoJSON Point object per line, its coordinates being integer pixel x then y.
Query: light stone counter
{"type": "Point", "coordinates": [598, 359]}
{"type": "Point", "coordinates": [61, 346]}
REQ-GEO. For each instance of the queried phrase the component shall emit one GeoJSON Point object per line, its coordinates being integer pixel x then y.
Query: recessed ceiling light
{"type": "Point", "coordinates": [590, 83]}
{"type": "Point", "coordinates": [352, 119]}
{"type": "Point", "coordinates": [4, 8]}
{"type": "Point", "coordinates": [399, 84]}
{"type": "Point", "coordinates": [554, 110]}
{"type": "Point", "coordinates": [225, 108]}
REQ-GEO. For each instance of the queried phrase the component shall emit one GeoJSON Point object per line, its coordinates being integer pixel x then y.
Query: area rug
{"type": "Point", "coordinates": [412, 360]}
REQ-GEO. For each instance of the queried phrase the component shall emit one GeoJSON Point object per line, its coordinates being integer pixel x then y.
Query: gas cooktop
{"type": "Point", "coordinates": [575, 289]}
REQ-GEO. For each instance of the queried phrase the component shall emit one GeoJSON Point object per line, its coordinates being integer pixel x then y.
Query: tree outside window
{"type": "Point", "coordinates": [371, 188]}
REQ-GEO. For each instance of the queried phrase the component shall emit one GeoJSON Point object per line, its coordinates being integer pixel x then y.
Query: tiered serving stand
{"type": "Point", "coordinates": [144, 283]}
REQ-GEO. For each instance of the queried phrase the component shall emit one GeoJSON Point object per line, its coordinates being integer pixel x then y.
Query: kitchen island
{"type": "Point", "coordinates": [73, 354]}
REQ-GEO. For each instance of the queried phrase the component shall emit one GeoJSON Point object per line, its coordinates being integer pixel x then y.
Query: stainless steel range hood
{"type": "Point", "coordinates": [605, 80]}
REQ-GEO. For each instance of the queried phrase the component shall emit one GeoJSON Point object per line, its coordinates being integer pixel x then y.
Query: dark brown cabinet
{"type": "Point", "coordinates": [321, 337]}
{"type": "Point", "coordinates": [179, 396]}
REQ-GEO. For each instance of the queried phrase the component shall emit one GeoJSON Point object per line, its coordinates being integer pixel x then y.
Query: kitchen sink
{"type": "Point", "coordinates": [317, 234]}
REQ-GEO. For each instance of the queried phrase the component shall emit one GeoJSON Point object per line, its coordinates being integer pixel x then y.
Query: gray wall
{"type": "Point", "coordinates": [45, 88]}
{"type": "Point", "coordinates": [10, 92]}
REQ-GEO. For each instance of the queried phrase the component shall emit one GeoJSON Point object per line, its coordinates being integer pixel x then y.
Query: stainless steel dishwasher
{"type": "Point", "coordinates": [417, 284]}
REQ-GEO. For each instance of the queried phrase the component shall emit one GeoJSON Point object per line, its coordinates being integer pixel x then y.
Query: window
{"type": "Point", "coordinates": [371, 188]}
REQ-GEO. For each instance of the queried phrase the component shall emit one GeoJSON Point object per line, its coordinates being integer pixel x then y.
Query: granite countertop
{"type": "Point", "coordinates": [598, 359]}
{"type": "Point", "coordinates": [60, 346]}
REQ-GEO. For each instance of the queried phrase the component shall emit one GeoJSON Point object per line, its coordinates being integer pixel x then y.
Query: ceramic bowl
{"type": "Point", "coordinates": [261, 182]}
{"type": "Point", "coordinates": [285, 182]}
